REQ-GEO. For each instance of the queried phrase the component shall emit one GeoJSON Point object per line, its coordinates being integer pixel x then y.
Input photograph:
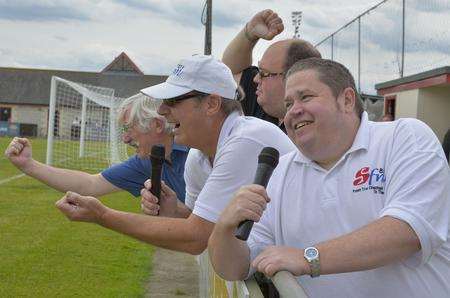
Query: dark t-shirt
{"type": "Point", "coordinates": [249, 104]}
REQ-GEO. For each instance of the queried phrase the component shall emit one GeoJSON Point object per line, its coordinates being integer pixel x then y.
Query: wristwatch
{"type": "Point", "coordinates": [311, 254]}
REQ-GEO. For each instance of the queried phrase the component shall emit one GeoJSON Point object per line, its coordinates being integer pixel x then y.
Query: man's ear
{"type": "Point", "coordinates": [349, 100]}
{"type": "Point", "coordinates": [213, 104]}
{"type": "Point", "coordinates": [157, 125]}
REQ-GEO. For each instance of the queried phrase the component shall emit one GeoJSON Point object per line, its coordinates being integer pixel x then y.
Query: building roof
{"type": "Point", "coordinates": [32, 86]}
{"type": "Point", "coordinates": [434, 77]}
{"type": "Point", "coordinates": [122, 63]}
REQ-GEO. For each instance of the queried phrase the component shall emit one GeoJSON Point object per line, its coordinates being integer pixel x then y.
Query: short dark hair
{"type": "Point", "coordinates": [231, 105]}
{"type": "Point", "coordinates": [333, 74]}
{"type": "Point", "coordinates": [299, 49]}
{"type": "Point", "coordinates": [228, 105]}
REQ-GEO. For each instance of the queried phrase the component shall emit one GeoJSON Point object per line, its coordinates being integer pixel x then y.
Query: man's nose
{"type": "Point", "coordinates": [126, 138]}
{"type": "Point", "coordinates": [297, 107]}
{"type": "Point", "coordinates": [257, 78]}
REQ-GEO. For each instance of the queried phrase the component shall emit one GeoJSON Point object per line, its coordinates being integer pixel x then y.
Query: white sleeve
{"type": "Point", "coordinates": [234, 167]}
{"type": "Point", "coordinates": [418, 187]}
{"type": "Point", "coordinates": [194, 176]}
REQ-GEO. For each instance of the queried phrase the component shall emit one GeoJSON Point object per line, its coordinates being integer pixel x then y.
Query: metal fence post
{"type": "Point", "coordinates": [287, 285]}
{"type": "Point", "coordinates": [332, 47]}
{"type": "Point", "coordinates": [359, 54]}
{"type": "Point", "coordinates": [403, 40]}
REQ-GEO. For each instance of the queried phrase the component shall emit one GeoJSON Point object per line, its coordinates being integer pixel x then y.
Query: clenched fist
{"type": "Point", "coordinates": [19, 152]}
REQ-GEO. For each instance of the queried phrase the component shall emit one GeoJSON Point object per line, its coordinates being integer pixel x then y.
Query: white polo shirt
{"type": "Point", "coordinates": [393, 169]}
{"type": "Point", "coordinates": [210, 188]}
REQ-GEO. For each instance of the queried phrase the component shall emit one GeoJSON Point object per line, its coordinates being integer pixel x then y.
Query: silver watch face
{"type": "Point", "coordinates": [311, 253]}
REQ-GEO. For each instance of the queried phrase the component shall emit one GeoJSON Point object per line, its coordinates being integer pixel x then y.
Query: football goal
{"type": "Point", "coordinates": [82, 126]}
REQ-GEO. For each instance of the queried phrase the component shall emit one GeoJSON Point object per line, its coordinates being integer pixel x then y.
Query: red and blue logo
{"type": "Point", "coordinates": [370, 179]}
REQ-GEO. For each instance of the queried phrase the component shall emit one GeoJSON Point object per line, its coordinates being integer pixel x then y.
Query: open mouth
{"type": "Point", "coordinates": [302, 124]}
{"type": "Point", "coordinates": [175, 126]}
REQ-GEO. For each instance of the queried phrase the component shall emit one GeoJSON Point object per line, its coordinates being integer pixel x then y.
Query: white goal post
{"type": "Point", "coordinates": [82, 126]}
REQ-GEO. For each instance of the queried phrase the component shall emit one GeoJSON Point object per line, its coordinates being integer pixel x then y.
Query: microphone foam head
{"type": "Point", "coordinates": [158, 151]}
{"type": "Point", "coordinates": [269, 156]}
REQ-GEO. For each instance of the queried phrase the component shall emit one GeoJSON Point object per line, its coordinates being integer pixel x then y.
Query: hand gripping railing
{"type": "Point", "coordinates": [211, 285]}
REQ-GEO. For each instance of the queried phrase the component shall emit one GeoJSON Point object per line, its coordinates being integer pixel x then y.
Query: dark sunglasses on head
{"type": "Point", "coordinates": [173, 101]}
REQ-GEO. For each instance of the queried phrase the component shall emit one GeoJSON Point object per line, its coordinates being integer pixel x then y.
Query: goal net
{"type": "Point", "coordinates": [82, 127]}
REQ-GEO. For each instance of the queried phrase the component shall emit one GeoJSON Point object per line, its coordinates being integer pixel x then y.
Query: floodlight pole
{"type": "Point", "coordinates": [208, 27]}
{"type": "Point", "coordinates": [296, 21]}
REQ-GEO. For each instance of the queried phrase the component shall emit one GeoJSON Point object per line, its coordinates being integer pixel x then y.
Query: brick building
{"type": "Point", "coordinates": [25, 92]}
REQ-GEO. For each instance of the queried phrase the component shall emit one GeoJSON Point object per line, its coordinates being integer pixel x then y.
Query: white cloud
{"type": "Point", "coordinates": [88, 34]}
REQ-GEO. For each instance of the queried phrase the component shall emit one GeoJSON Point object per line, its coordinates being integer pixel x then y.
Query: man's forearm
{"type": "Point", "coordinates": [183, 211]}
{"type": "Point", "coordinates": [238, 54]}
{"type": "Point", "coordinates": [68, 180]}
{"type": "Point", "coordinates": [385, 241]}
{"type": "Point", "coordinates": [186, 235]}
{"type": "Point", "coordinates": [229, 256]}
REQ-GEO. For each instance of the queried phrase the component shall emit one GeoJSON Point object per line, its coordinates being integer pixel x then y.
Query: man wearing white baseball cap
{"type": "Point", "coordinates": [196, 73]}
{"type": "Point", "coordinates": [200, 98]}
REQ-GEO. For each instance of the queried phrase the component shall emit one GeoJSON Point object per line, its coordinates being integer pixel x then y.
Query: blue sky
{"type": "Point", "coordinates": [87, 35]}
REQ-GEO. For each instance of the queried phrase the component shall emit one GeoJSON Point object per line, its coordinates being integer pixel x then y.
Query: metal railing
{"type": "Point", "coordinates": [248, 289]}
{"type": "Point", "coordinates": [211, 285]}
{"type": "Point", "coordinates": [287, 285]}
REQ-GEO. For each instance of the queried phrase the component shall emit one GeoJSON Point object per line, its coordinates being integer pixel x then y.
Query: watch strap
{"type": "Point", "coordinates": [313, 261]}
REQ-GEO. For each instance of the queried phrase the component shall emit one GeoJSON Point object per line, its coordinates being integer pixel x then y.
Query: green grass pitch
{"type": "Point", "coordinates": [43, 254]}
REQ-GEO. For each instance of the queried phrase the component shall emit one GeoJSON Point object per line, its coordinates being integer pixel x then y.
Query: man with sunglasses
{"type": "Point", "coordinates": [200, 98]}
{"type": "Point", "coordinates": [143, 128]}
{"type": "Point", "coordinates": [264, 85]}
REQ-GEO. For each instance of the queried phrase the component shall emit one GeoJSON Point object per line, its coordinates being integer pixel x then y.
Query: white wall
{"type": "Point", "coordinates": [31, 115]}
{"type": "Point", "coordinates": [406, 104]}
{"type": "Point", "coordinates": [434, 108]}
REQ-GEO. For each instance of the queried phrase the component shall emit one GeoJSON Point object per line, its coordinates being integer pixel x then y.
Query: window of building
{"type": "Point", "coordinates": [5, 114]}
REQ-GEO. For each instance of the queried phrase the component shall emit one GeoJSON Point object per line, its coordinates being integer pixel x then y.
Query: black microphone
{"type": "Point", "coordinates": [267, 162]}
{"type": "Point", "coordinates": [157, 158]}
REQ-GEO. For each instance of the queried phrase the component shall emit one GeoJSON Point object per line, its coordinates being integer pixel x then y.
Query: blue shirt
{"type": "Point", "coordinates": [131, 174]}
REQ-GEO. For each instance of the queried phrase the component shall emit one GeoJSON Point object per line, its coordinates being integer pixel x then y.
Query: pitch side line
{"type": "Point", "coordinates": [11, 178]}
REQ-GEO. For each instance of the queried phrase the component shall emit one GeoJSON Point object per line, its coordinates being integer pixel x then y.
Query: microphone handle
{"type": "Point", "coordinates": [262, 176]}
{"type": "Point", "coordinates": [156, 177]}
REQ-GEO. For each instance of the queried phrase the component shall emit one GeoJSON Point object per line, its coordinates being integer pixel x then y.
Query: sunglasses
{"type": "Point", "coordinates": [173, 101]}
{"type": "Point", "coordinates": [267, 74]}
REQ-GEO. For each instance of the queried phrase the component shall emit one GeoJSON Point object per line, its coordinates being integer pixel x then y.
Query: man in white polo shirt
{"type": "Point", "coordinates": [361, 209]}
{"type": "Point", "coordinates": [200, 99]}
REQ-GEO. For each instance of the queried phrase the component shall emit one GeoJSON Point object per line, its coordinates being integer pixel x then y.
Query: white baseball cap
{"type": "Point", "coordinates": [199, 72]}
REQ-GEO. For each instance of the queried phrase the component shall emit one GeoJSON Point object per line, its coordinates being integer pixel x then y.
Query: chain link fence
{"type": "Point", "coordinates": [393, 39]}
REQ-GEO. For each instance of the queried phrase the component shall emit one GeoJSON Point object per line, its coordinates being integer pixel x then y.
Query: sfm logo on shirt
{"type": "Point", "coordinates": [367, 179]}
{"type": "Point", "coordinates": [178, 70]}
